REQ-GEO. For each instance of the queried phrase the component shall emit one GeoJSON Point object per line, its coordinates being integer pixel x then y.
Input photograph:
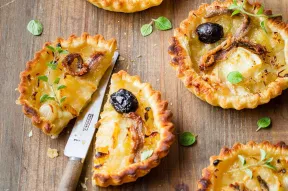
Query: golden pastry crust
{"type": "Point", "coordinates": [210, 85]}
{"type": "Point", "coordinates": [125, 6]}
{"type": "Point", "coordinates": [50, 116]}
{"type": "Point", "coordinates": [156, 126]}
{"type": "Point", "coordinates": [223, 172]}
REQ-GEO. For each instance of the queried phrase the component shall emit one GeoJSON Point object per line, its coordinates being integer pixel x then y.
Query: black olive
{"type": "Point", "coordinates": [216, 162]}
{"type": "Point", "coordinates": [124, 101]}
{"type": "Point", "coordinates": [210, 32]}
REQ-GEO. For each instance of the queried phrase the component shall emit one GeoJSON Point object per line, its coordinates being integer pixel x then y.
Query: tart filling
{"type": "Point", "coordinates": [211, 44]}
{"type": "Point", "coordinates": [134, 133]}
{"type": "Point", "coordinates": [252, 166]}
{"type": "Point", "coordinates": [59, 81]}
{"type": "Point", "coordinates": [126, 6]}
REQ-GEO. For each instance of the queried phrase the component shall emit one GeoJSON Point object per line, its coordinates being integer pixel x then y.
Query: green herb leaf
{"type": "Point", "coordinates": [269, 160]}
{"type": "Point", "coordinates": [249, 173]}
{"type": "Point", "coordinates": [162, 23]}
{"type": "Point", "coordinates": [242, 159]}
{"type": "Point", "coordinates": [235, 12]}
{"type": "Point", "coordinates": [46, 97]}
{"type": "Point", "coordinates": [233, 6]}
{"type": "Point", "coordinates": [263, 154]}
{"type": "Point", "coordinates": [235, 77]}
{"type": "Point", "coordinates": [63, 52]}
{"type": "Point", "coordinates": [146, 29]}
{"type": "Point", "coordinates": [43, 78]}
{"type": "Point", "coordinates": [35, 27]}
{"type": "Point", "coordinates": [263, 123]}
{"type": "Point", "coordinates": [51, 48]}
{"type": "Point", "coordinates": [268, 165]}
{"type": "Point", "coordinates": [56, 81]}
{"type": "Point", "coordinates": [61, 87]}
{"type": "Point", "coordinates": [146, 154]}
{"type": "Point", "coordinates": [52, 65]}
{"type": "Point", "coordinates": [262, 24]}
{"type": "Point", "coordinates": [187, 139]}
{"type": "Point", "coordinates": [261, 10]}
{"type": "Point", "coordinates": [235, 2]}
{"type": "Point", "coordinates": [63, 99]}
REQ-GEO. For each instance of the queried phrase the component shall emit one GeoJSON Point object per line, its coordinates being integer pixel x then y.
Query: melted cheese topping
{"type": "Point", "coordinates": [230, 177]}
{"type": "Point", "coordinates": [118, 139]}
{"type": "Point", "coordinates": [78, 89]}
{"type": "Point", "coordinates": [258, 71]}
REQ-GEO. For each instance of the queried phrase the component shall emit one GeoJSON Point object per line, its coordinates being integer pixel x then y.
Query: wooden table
{"type": "Point", "coordinates": [24, 164]}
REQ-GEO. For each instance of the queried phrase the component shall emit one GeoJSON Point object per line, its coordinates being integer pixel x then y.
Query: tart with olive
{"type": "Point", "coordinates": [58, 83]}
{"type": "Point", "coordinates": [247, 167]}
{"type": "Point", "coordinates": [134, 133]}
{"type": "Point", "coordinates": [126, 6]}
{"type": "Point", "coordinates": [232, 54]}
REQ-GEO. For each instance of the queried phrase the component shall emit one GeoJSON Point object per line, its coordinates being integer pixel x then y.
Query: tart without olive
{"type": "Point", "coordinates": [257, 167]}
{"type": "Point", "coordinates": [59, 81]}
{"type": "Point", "coordinates": [237, 61]}
{"type": "Point", "coordinates": [134, 133]}
{"type": "Point", "coordinates": [126, 6]}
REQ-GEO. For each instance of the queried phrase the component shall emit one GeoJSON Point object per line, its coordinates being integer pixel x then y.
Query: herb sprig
{"type": "Point", "coordinates": [53, 66]}
{"type": "Point", "coordinates": [239, 8]}
{"type": "Point", "coordinates": [264, 162]}
{"type": "Point", "coordinates": [162, 23]}
{"type": "Point", "coordinates": [263, 123]}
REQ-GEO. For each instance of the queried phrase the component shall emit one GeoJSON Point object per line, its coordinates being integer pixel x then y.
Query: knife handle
{"type": "Point", "coordinates": [70, 178]}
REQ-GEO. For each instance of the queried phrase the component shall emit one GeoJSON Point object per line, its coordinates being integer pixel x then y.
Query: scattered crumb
{"type": "Point", "coordinates": [52, 153]}
{"type": "Point", "coordinates": [84, 184]}
{"type": "Point", "coordinates": [121, 58]}
{"type": "Point", "coordinates": [157, 80]}
{"type": "Point", "coordinates": [155, 45]}
{"type": "Point", "coordinates": [16, 89]}
{"type": "Point", "coordinates": [68, 132]}
{"type": "Point", "coordinates": [125, 33]}
{"type": "Point", "coordinates": [171, 103]}
{"type": "Point", "coordinates": [30, 134]}
{"type": "Point", "coordinates": [139, 56]}
{"type": "Point", "coordinates": [132, 60]}
{"type": "Point", "coordinates": [128, 45]}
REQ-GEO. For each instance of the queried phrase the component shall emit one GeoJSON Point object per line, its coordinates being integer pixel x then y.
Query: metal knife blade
{"type": "Point", "coordinates": [84, 128]}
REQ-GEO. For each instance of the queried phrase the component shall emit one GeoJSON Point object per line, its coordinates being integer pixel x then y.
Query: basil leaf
{"type": "Point", "coordinates": [249, 173]}
{"type": "Point", "coordinates": [261, 10]}
{"type": "Point", "coordinates": [262, 24]}
{"type": "Point", "coordinates": [35, 27]}
{"type": "Point", "coordinates": [263, 123]}
{"type": "Point", "coordinates": [146, 29]}
{"type": "Point", "coordinates": [269, 160]}
{"type": "Point", "coordinates": [235, 12]}
{"type": "Point", "coordinates": [46, 97]}
{"type": "Point", "coordinates": [268, 165]}
{"type": "Point", "coordinates": [52, 65]}
{"type": "Point", "coordinates": [43, 78]}
{"type": "Point", "coordinates": [242, 159]}
{"type": "Point", "coordinates": [187, 139]}
{"type": "Point", "coordinates": [51, 48]}
{"type": "Point", "coordinates": [263, 154]}
{"type": "Point", "coordinates": [61, 87]}
{"type": "Point", "coordinates": [235, 77]}
{"type": "Point", "coordinates": [146, 154]}
{"type": "Point", "coordinates": [56, 81]}
{"type": "Point", "coordinates": [162, 23]}
{"type": "Point", "coordinates": [63, 99]}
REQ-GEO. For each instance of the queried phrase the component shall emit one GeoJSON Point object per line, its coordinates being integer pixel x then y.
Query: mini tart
{"type": "Point", "coordinates": [126, 6]}
{"type": "Point", "coordinates": [223, 173]}
{"type": "Point", "coordinates": [122, 140]}
{"type": "Point", "coordinates": [80, 70]}
{"type": "Point", "coordinates": [265, 74]}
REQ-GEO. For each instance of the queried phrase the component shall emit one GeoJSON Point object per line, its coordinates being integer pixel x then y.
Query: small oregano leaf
{"type": "Point", "coordinates": [56, 81]}
{"type": "Point", "coordinates": [51, 48]}
{"type": "Point", "coordinates": [268, 165]}
{"type": "Point", "coordinates": [162, 23]}
{"type": "Point", "coordinates": [146, 154]}
{"type": "Point", "coordinates": [52, 65]}
{"type": "Point", "coordinates": [43, 78]}
{"type": "Point", "coordinates": [249, 173]}
{"type": "Point", "coordinates": [262, 24]}
{"type": "Point", "coordinates": [263, 123]}
{"type": "Point", "coordinates": [46, 97]}
{"type": "Point", "coordinates": [187, 139]}
{"type": "Point", "coordinates": [233, 6]}
{"type": "Point", "coordinates": [235, 77]}
{"type": "Point", "coordinates": [235, 12]}
{"type": "Point", "coordinates": [261, 10]}
{"type": "Point", "coordinates": [61, 87]}
{"type": "Point", "coordinates": [35, 27]}
{"type": "Point", "coordinates": [242, 159]}
{"type": "Point", "coordinates": [263, 154]}
{"type": "Point", "coordinates": [63, 99]}
{"type": "Point", "coordinates": [146, 29]}
{"type": "Point", "coordinates": [269, 160]}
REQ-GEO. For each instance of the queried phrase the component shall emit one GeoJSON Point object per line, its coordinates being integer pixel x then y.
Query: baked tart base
{"type": "Point", "coordinates": [247, 167]}
{"type": "Point", "coordinates": [130, 143]}
{"type": "Point", "coordinates": [125, 6]}
{"type": "Point", "coordinates": [61, 78]}
{"type": "Point", "coordinates": [245, 47]}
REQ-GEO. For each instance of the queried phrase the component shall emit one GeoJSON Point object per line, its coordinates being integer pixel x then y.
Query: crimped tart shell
{"type": "Point", "coordinates": [162, 121]}
{"type": "Point", "coordinates": [213, 177]}
{"type": "Point", "coordinates": [198, 84]}
{"type": "Point", "coordinates": [125, 6]}
{"type": "Point", "coordinates": [94, 48]}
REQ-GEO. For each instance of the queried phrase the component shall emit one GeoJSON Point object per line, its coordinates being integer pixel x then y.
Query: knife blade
{"type": "Point", "coordinates": [82, 133]}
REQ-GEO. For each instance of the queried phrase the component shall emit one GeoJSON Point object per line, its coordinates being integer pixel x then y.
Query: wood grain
{"type": "Point", "coordinates": [23, 161]}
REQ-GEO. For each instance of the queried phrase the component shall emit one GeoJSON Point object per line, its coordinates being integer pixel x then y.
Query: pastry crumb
{"type": "Point", "coordinates": [84, 184]}
{"type": "Point", "coordinates": [121, 58]}
{"type": "Point", "coordinates": [52, 153]}
{"type": "Point", "coordinates": [30, 134]}
{"type": "Point", "coordinates": [139, 56]}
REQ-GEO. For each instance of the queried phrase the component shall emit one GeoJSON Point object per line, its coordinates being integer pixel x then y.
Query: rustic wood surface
{"type": "Point", "coordinates": [24, 164]}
